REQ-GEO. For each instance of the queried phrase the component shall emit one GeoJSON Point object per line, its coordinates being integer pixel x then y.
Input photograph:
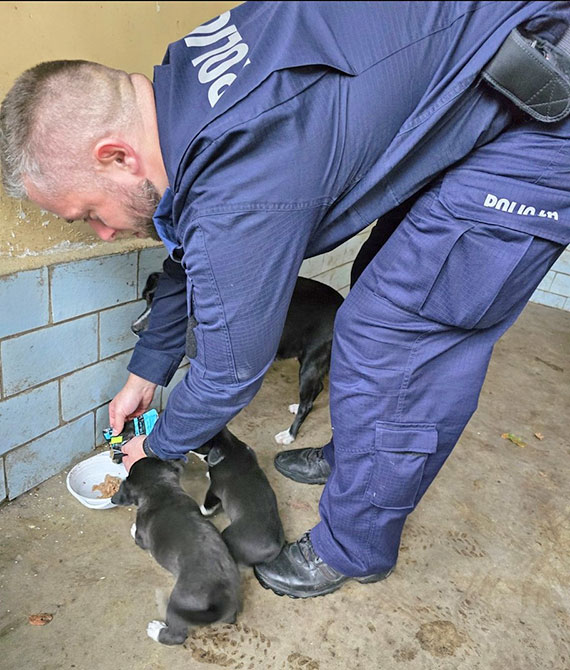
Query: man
{"type": "Point", "coordinates": [273, 133]}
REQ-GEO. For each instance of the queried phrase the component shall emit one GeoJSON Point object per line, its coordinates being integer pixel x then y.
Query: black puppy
{"type": "Point", "coordinates": [255, 534]}
{"type": "Point", "coordinates": [169, 524]}
{"type": "Point", "coordinates": [141, 322]}
{"type": "Point", "coordinates": [307, 336]}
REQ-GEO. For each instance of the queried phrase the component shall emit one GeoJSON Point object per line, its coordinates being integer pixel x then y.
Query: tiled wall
{"type": "Point", "coordinates": [65, 341]}
{"type": "Point", "coordinates": [554, 289]}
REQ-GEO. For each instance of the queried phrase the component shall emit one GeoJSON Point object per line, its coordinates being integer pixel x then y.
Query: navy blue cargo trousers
{"type": "Point", "coordinates": [414, 337]}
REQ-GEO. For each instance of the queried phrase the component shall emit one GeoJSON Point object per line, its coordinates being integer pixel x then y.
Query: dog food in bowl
{"type": "Point", "coordinates": [90, 474]}
{"type": "Point", "coordinates": [109, 487]}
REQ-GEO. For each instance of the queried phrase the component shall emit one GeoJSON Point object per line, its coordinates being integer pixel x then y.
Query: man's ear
{"type": "Point", "coordinates": [112, 153]}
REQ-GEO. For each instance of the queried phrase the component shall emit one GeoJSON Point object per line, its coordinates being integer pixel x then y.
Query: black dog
{"type": "Point", "coordinates": [141, 322]}
{"type": "Point", "coordinates": [170, 525]}
{"type": "Point", "coordinates": [307, 336]}
{"type": "Point", "coordinates": [255, 534]}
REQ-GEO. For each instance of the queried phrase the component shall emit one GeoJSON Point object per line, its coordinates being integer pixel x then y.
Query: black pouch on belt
{"type": "Point", "coordinates": [533, 74]}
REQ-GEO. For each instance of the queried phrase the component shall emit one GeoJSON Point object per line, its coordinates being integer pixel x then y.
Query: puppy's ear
{"type": "Point", "coordinates": [125, 495]}
{"type": "Point", "coordinates": [215, 456]}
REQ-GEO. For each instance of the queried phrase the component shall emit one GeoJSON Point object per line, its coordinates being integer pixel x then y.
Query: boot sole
{"type": "Point", "coordinates": [371, 579]}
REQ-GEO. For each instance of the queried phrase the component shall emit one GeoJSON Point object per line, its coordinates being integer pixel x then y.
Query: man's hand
{"type": "Point", "coordinates": [132, 400]}
{"type": "Point", "coordinates": [133, 451]}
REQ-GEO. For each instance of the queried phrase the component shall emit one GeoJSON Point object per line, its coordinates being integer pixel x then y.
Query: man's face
{"type": "Point", "coordinates": [109, 208]}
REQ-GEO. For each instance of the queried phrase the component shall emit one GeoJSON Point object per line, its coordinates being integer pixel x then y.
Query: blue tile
{"type": "Point", "coordinates": [47, 353]}
{"type": "Point", "coordinates": [86, 286]}
{"type": "Point", "coordinates": [115, 334]}
{"type": "Point", "coordinates": [93, 386]}
{"type": "Point", "coordinates": [24, 288]}
{"type": "Point", "coordinates": [2, 483]}
{"type": "Point", "coordinates": [546, 282]}
{"type": "Point", "coordinates": [101, 424]}
{"type": "Point", "coordinates": [28, 415]}
{"type": "Point", "coordinates": [563, 263]}
{"type": "Point", "coordinates": [312, 266]}
{"type": "Point", "coordinates": [561, 284]}
{"type": "Point", "coordinates": [32, 464]}
{"type": "Point", "coordinates": [150, 260]}
{"type": "Point", "coordinates": [338, 277]}
{"type": "Point", "coordinates": [548, 299]}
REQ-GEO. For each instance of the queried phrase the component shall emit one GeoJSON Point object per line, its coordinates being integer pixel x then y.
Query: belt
{"type": "Point", "coordinates": [533, 74]}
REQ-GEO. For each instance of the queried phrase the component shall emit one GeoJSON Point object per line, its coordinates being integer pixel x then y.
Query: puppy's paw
{"type": "Point", "coordinates": [208, 511]}
{"type": "Point", "coordinates": [294, 408]}
{"type": "Point", "coordinates": [153, 629]}
{"type": "Point", "coordinates": [284, 437]}
{"type": "Point", "coordinates": [133, 530]}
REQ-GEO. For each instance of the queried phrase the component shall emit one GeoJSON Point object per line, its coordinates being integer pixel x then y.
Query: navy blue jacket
{"type": "Point", "coordinates": [286, 128]}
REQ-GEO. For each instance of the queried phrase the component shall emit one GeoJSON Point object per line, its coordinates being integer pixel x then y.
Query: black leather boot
{"type": "Point", "coordinates": [298, 572]}
{"type": "Point", "coordinates": [308, 466]}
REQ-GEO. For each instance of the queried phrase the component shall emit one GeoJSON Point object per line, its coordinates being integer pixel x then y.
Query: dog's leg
{"type": "Point", "coordinates": [314, 367]}
{"type": "Point", "coordinates": [137, 537]}
{"type": "Point", "coordinates": [285, 436]}
{"type": "Point", "coordinates": [182, 610]}
{"type": "Point", "coordinates": [153, 629]}
{"type": "Point", "coordinates": [175, 631]}
{"type": "Point", "coordinates": [211, 504]}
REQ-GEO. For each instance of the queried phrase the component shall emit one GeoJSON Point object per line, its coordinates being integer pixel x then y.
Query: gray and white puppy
{"type": "Point", "coordinates": [239, 485]}
{"type": "Point", "coordinates": [169, 524]}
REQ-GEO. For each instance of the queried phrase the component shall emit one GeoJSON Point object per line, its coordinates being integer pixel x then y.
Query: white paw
{"type": "Point", "coordinates": [153, 629]}
{"type": "Point", "coordinates": [294, 408]}
{"type": "Point", "coordinates": [284, 437]}
{"type": "Point", "coordinates": [133, 530]}
{"type": "Point", "coordinates": [209, 511]}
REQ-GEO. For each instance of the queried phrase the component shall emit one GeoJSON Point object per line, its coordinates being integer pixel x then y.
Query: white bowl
{"type": "Point", "coordinates": [84, 475]}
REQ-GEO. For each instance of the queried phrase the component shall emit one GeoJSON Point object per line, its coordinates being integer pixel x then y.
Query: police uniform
{"type": "Point", "coordinates": [288, 127]}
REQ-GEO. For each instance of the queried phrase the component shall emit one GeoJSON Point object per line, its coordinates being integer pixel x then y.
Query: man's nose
{"type": "Point", "coordinates": [102, 231]}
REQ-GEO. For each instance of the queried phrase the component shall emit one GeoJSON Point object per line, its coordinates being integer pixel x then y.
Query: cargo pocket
{"type": "Point", "coordinates": [480, 262]}
{"type": "Point", "coordinates": [400, 454]}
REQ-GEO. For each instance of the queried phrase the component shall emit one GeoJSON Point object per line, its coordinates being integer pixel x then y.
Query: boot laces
{"type": "Point", "coordinates": [315, 454]}
{"type": "Point", "coordinates": [307, 550]}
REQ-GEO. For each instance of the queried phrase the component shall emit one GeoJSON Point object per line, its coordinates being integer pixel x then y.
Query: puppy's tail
{"type": "Point", "coordinates": [222, 604]}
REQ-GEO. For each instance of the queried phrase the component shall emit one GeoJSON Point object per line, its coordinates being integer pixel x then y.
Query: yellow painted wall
{"type": "Point", "coordinates": [131, 36]}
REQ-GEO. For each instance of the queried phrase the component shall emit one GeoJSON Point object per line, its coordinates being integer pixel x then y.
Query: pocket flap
{"type": "Point", "coordinates": [511, 203]}
{"type": "Point", "coordinates": [419, 438]}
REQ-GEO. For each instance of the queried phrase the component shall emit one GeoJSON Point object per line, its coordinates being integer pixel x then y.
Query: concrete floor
{"type": "Point", "coordinates": [482, 580]}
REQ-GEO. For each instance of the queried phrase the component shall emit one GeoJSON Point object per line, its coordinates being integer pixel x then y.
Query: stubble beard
{"type": "Point", "coordinates": [140, 203]}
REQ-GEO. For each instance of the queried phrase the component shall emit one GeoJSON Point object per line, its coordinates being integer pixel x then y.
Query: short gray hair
{"type": "Point", "coordinates": [51, 114]}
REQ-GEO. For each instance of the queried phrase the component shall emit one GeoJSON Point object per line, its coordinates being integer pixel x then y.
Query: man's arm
{"type": "Point", "coordinates": [243, 267]}
{"type": "Point", "coordinates": [160, 349]}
